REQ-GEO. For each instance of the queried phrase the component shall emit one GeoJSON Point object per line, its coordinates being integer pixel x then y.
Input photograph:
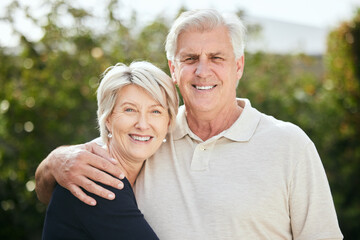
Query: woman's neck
{"type": "Point", "coordinates": [130, 168]}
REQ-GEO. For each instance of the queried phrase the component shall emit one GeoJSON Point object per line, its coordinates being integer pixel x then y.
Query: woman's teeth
{"type": "Point", "coordinates": [138, 138]}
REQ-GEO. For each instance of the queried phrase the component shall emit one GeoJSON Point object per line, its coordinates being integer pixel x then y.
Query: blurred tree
{"type": "Point", "coordinates": [285, 86]}
{"type": "Point", "coordinates": [343, 81]}
{"type": "Point", "coordinates": [47, 95]}
{"type": "Point", "coordinates": [38, 115]}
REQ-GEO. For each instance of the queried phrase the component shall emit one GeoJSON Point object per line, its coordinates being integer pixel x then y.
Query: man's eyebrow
{"type": "Point", "coordinates": [215, 53]}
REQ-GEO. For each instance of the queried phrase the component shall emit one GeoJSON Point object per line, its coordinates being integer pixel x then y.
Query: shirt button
{"type": "Point", "coordinates": [202, 148]}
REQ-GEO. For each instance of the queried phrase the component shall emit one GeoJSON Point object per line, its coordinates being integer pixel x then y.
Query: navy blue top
{"type": "Point", "coordinates": [69, 218]}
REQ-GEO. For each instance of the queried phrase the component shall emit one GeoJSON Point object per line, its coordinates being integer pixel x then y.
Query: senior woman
{"type": "Point", "coordinates": [136, 106]}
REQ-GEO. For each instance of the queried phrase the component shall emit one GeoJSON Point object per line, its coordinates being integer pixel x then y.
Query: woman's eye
{"type": "Point", "coordinates": [129, 110]}
{"type": "Point", "coordinates": [156, 111]}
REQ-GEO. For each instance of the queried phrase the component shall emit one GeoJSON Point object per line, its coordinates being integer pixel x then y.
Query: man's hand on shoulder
{"type": "Point", "coordinates": [76, 168]}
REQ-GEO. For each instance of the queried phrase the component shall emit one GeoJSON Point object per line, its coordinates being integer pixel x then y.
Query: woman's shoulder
{"type": "Point", "coordinates": [124, 198]}
{"type": "Point", "coordinates": [106, 219]}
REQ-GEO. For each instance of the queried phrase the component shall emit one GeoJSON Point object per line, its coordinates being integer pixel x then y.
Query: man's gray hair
{"type": "Point", "coordinates": [206, 20]}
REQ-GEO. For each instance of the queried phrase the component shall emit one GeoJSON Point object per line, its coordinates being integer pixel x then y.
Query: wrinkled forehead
{"type": "Point", "coordinates": [210, 40]}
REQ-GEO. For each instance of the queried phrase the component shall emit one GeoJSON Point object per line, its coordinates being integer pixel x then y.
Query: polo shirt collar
{"type": "Point", "coordinates": [245, 126]}
{"type": "Point", "coordinates": [242, 130]}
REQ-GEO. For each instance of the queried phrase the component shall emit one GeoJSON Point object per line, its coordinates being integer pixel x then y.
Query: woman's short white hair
{"type": "Point", "coordinates": [206, 20]}
{"type": "Point", "coordinates": [143, 74]}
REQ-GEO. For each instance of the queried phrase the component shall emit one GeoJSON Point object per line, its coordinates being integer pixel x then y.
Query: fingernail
{"type": "Point", "coordinates": [92, 203]}
{"type": "Point", "coordinates": [121, 176]}
{"type": "Point", "coordinates": [120, 185]}
{"type": "Point", "coordinates": [111, 196]}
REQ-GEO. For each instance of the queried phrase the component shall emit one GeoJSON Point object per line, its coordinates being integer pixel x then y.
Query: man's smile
{"type": "Point", "coordinates": [204, 87]}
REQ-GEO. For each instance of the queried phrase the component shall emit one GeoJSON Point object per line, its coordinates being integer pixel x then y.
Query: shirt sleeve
{"type": "Point", "coordinates": [312, 210]}
{"type": "Point", "coordinates": [116, 219]}
{"type": "Point", "coordinates": [109, 219]}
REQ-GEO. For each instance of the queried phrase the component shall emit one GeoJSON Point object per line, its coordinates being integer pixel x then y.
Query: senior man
{"type": "Point", "coordinates": [227, 171]}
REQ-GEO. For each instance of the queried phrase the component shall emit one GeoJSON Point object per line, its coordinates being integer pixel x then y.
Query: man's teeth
{"type": "Point", "coordinates": [204, 87]}
{"type": "Point", "coordinates": [144, 139]}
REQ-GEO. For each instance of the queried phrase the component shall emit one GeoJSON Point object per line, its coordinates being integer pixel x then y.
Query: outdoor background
{"type": "Point", "coordinates": [47, 97]}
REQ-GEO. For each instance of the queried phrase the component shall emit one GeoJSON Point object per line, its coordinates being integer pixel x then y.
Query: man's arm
{"type": "Point", "coordinates": [76, 167]}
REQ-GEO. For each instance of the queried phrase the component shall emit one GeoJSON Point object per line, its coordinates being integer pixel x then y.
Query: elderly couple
{"type": "Point", "coordinates": [216, 168]}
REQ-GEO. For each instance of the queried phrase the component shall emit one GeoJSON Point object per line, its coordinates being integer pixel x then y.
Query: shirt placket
{"type": "Point", "coordinates": [202, 156]}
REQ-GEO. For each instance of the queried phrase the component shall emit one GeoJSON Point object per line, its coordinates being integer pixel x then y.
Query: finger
{"type": "Point", "coordinates": [77, 192]}
{"type": "Point", "coordinates": [99, 151]}
{"type": "Point", "coordinates": [96, 189]}
{"type": "Point", "coordinates": [103, 177]}
{"type": "Point", "coordinates": [104, 165]}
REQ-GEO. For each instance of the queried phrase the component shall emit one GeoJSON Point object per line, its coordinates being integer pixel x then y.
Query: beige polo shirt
{"type": "Point", "coordinates": [260, 179]}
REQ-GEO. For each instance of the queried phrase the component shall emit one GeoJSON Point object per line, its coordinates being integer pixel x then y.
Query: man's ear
{"type": "Point", "coordinates": [172, 71]}
{"type": "Point", "coordinates": [240, 67]}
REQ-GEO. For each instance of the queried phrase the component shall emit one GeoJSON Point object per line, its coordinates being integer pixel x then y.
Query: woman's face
{"type": "Point", "coordinates": [138, 124]}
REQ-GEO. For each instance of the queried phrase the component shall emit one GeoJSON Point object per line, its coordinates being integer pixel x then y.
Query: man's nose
{"type": "Point", "coordinates": [203, 68]}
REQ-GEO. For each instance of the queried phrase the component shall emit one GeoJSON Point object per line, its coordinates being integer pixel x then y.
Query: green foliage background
{"type": "Point", "coordinates": [47, 99]}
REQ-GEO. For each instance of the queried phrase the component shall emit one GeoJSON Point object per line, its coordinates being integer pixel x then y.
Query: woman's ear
{"type": "Point", "coordinates": [108, 124]}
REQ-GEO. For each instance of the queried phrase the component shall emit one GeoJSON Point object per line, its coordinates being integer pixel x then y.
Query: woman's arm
{"type": "Point", "coordinates": [118, 219]}
{"type": "Point", "coordinates": [68, 218]}
{"type": "Point", "coordinates": [76, 167]}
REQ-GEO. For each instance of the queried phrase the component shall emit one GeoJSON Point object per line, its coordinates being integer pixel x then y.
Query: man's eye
{"type": "Point", "coordinates": [190, 59]}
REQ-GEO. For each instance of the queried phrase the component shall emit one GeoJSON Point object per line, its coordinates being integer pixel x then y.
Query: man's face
{"type": "Point", "coordinates": [206, 71]}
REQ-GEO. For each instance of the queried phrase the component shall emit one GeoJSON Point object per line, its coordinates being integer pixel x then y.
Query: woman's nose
{"type": "Point", "coordinates": [142, 122]}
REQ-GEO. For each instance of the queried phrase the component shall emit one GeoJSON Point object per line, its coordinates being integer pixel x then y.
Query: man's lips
{"type": "Point", "coordinates": [207, 87]}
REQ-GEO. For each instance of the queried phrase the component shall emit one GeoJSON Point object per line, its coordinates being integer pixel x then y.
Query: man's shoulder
{"type": "Point", "coordinates": [267, 124]}
{"type": "Point", "coordinates": [280, 129]}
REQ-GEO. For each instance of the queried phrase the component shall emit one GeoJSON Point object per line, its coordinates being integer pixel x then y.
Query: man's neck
{"type": "Point", "coordinates": [208, 124]}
